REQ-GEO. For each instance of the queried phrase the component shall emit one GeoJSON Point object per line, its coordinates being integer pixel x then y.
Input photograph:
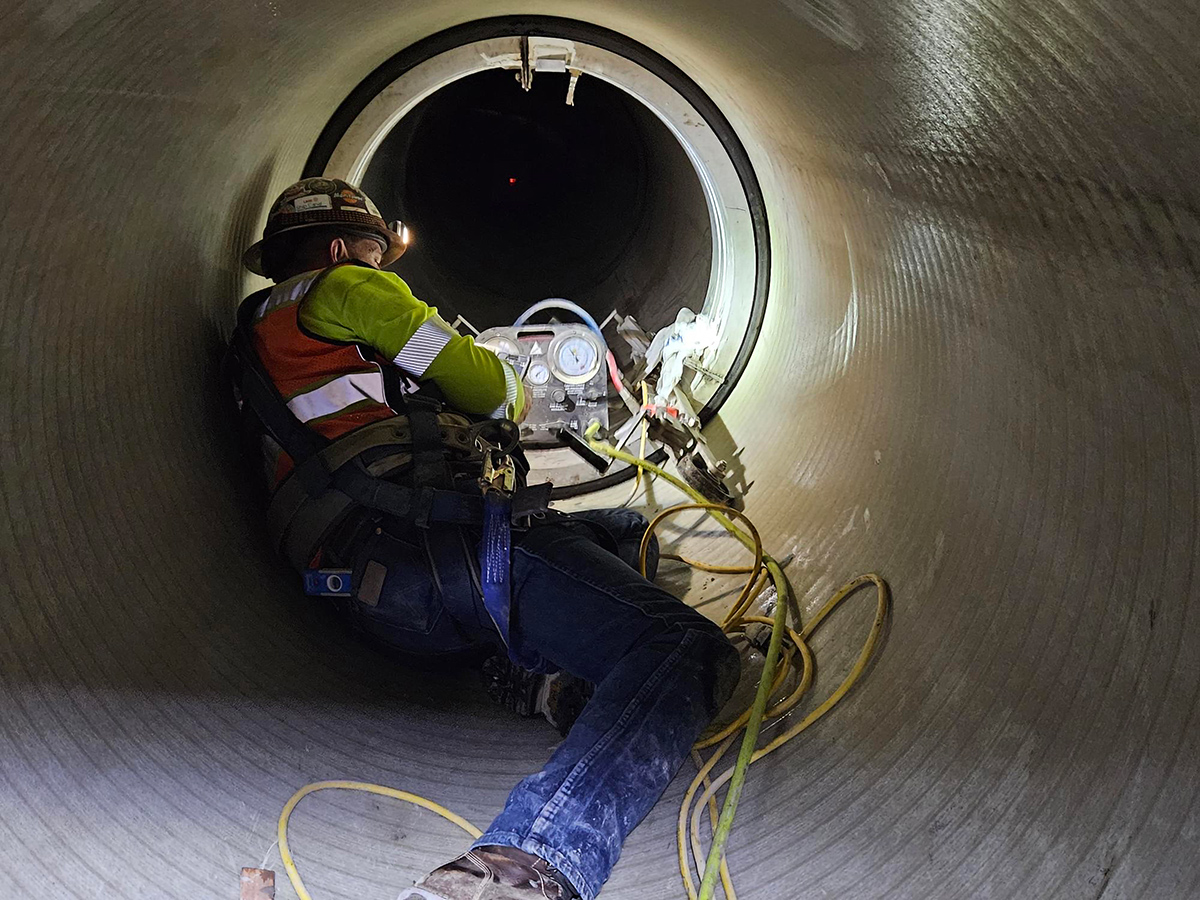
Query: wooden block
{"type": "Point", "coordinates": [258, 884]}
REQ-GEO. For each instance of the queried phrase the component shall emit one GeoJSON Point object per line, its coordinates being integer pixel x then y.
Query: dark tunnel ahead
{"type": "Point", "coordinates": [515, 196]}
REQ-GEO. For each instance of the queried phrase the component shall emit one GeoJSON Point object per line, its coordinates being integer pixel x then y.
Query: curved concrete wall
{"type": "Point", "coordinates": [977, 376]}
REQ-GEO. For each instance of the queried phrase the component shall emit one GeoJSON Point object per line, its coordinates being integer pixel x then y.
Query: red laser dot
{"type": "Point", "coordinates": [512, 181]}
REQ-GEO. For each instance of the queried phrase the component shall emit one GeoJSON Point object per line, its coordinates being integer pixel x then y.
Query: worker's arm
{"type": "Point", "coordinates": [355, 304]}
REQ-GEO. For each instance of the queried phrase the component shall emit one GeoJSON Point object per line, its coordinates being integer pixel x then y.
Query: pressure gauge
{"type": "Point", "coordinates": [575, 358]}
{"type": "Point", "coordinates": [502, 346]}
{"type": "Point", "coordinates": [538, 374]}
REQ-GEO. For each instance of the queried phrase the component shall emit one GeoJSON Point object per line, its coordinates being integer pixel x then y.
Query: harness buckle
{"type": "Point", "coordinates": [499, 470]}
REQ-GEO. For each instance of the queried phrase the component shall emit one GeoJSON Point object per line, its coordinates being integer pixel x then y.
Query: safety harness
{"type": "Point", "coordinates": [363, 470]}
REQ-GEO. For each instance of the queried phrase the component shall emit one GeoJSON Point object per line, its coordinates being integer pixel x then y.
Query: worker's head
{"type": "Point", "coordinates": [294, 252]}
{"type": "Point", "coordinates": [321, 221]}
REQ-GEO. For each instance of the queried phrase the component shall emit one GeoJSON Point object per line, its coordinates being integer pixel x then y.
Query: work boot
{"type": "Point", "coordinates": [560, 697]}
{"type": "Point", "coordinates": [493, 873]}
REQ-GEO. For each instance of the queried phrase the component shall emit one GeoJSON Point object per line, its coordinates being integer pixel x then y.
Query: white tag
{"type": "Point", "coordinates": [317, 201]}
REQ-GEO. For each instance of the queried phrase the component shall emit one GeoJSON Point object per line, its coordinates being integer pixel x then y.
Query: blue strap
{"type": "Point", "coordinates": [495, 576]}
{"type": "Point", "coordinates": [495, 562]}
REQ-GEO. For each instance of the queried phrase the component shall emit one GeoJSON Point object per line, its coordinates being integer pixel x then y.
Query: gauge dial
{"type": "Point", "coordinates": [538, 374]}
{"type": "Point", "coordinates": [575, 359]}
{"type": "Point", "coordinates": [502, 346]}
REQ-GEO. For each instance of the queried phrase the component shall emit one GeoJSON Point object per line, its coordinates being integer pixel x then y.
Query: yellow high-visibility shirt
{"type": "Point", "coordinates": [362, 305]}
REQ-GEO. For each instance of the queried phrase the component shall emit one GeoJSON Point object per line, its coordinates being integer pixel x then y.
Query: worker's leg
{"type": "Point", "coordinates": [661, 670]}
{"type": "Point", "coordinates": [626, 527]}
{"type": "Point", "coordinates": [560, 697]}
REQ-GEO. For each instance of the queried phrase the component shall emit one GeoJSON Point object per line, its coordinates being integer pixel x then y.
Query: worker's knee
{"type": "Point", "coordinates": [626, 528]}
{"type": "Point", "coordinates": [726, 665]}
{"type": "Point", "coordinates": [709, 652]}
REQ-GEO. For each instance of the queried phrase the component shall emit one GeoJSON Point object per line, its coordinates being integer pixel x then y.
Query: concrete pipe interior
{"type": "Point", "coordinates": [976, 375]}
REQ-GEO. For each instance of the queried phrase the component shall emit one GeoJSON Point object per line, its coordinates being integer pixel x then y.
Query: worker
{"type": "Point", "coordinates": [377, 422]}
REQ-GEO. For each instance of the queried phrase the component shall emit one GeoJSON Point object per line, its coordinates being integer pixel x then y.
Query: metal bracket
{"type": "Point", "coordinates": [539, 54]}
{"type": "Point", "coordinates": [461, 321]}
{"type": "Point", "coordinates": [525, 76]}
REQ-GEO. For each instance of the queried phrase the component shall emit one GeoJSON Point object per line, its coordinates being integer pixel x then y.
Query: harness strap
{"type": "Point", "coordinates": [397, 432]}
{"type": "Point", "coordinates": [386, 465]}
{"type": "Point", "coordinates": [299, 521]}
{"type": "Point", "coordinates": [429, 452]}
{"type": "Point", "coordinates": [311, 525]}
{"type": "Point", "coordinates": [300, 443]}
{"type": "Point", "coordinates": [453, 572]}
{"type": "Point", "coordinates": [424, 506]}
{"type": "Point", "coordinates": [495, 569]}
{"type": "Point", "coordinates": [284, 509]}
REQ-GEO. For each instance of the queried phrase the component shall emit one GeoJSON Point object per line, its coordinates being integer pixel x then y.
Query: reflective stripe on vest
{"type": "Point", "coordinates": [286, 293]}
{"type": "Point", "coordinates": [334, 387]}
{"type": "Point", "coordinates": [336, 395]}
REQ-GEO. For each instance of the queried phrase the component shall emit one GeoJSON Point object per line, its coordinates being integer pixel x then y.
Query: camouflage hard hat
{"type": "Point", "coordinates": [321, 202]}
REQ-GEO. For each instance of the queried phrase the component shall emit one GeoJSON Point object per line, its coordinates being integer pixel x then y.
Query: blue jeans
{"type": "Point", "coordinates": [661, 671]}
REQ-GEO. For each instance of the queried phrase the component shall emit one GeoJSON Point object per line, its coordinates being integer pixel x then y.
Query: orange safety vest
{"type": "Point", "coordinates": [331, 387]}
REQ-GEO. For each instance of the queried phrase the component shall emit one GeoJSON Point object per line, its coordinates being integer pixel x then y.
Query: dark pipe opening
{"type": "Point", "coordinates": [515, 196]}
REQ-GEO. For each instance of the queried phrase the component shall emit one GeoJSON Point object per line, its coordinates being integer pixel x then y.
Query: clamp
{"type": "Point", "coordinates": [499, 470]}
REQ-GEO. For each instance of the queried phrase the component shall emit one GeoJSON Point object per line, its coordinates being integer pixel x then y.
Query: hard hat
{"type": "Point", "coordinates": [321, 202]}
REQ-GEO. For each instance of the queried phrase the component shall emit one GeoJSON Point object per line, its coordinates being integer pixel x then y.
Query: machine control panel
{"type": "Point", "coordinates": [565, 374]}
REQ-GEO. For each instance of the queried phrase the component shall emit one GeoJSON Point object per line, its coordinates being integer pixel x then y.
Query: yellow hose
{"type": "Point", "coordinates": [751, 720]}
{"type": "Point", "coordinates": [861, 664]}
{"type": "Point", "coordinates": [285, 852]}
{"type": "Point", "coordinates": [637, 481]}
{"type": "Point", "coordinates": [706, 567]}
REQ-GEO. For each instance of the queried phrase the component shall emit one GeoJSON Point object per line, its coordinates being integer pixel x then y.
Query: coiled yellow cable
{"type": "Point", "coordinates": [751, 720]}
{"type": "Point", "coordinates": [285, 852]}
